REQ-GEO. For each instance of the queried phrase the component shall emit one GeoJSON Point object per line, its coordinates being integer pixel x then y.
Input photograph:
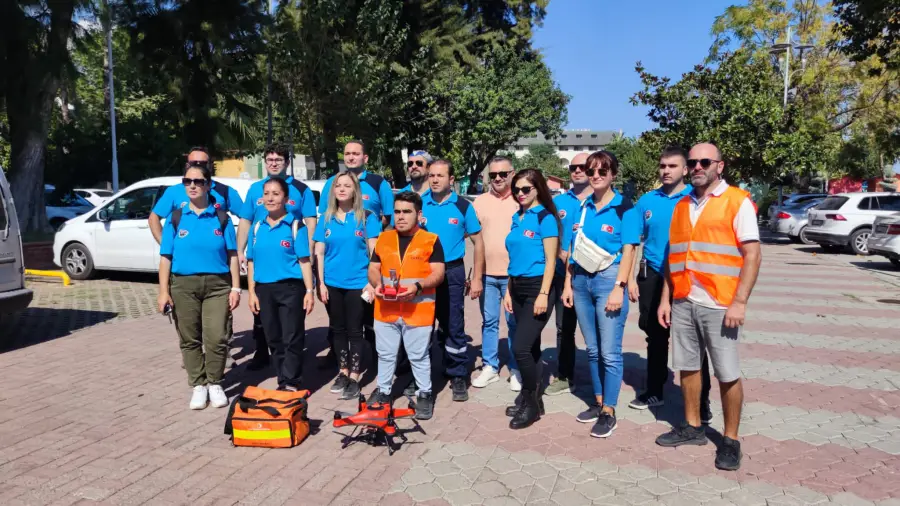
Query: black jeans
{"type": "Point", "coordinates": [566, 320]}
{"type": "Point", "coordinates": [259, 336]}
{"type": "Point", "coordinates": [346, 316]}
{"type": "Point", "coordinates": [527, 342]}
{"type": "Point", "coordinates": [284, 320]}
{"type": "Point", "coordinates": [650, 286]}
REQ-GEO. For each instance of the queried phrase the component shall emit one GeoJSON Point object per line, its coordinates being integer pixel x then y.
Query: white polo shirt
{"type": "Point", "coordinates": [745, 229]}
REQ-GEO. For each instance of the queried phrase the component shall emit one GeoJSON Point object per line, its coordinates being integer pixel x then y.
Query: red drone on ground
{"type": "Point", "coordinates": [375, 423]}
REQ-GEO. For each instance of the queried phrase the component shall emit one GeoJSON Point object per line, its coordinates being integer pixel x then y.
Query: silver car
{"type": "Point", "coordinates": [885, 238]}
{"type": "Point", "coordinates": [792, 221]}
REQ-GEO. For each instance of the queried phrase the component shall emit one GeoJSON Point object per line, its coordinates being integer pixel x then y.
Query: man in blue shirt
{"type": "Point", "coordinates": [301, 204]}
{"type": "Point", "coordinates": [377, 194]}
{"type": "Point", "coordinates": [453, 219]}
{"type": "Point", "coordinates": [655, 209]}
{"type": "Point", "coordinates": [175, 196]}
{"type": "Point", "coordinates": [568, 205]}
{"type": "Point", "coordinates": [417, 168]}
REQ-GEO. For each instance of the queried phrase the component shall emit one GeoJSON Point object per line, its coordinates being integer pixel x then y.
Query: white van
{"type": "Point", "coordinates": [13, 294]}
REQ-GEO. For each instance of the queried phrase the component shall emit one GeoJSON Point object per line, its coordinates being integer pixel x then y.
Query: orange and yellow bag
{"type": "Point", "coordinates": [268, 418]}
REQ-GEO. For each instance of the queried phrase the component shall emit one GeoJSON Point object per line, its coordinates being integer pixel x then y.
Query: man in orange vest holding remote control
{"type": "Point", "coordinates": [406, 267]}
{"type": "Point", "coordinates": [713, 261]}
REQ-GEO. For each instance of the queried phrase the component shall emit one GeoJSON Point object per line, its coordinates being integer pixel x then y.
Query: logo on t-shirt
{"type": "Point", "coordinates": [607, 228]}
{"type": "Point", "coordinates": [562, 214]}
{"type": "Point", "coordinates": [365, 197]}
{"type": "Point", "coordinates": [217, 206]}
{"type": "Point", "coordinates": [454, 221]}
{"type": "Point", "coordinates": [423, 221]}
{"type": "Point", "coordinates": [575, 227]}
{"type": "Point", "coordinates": [218, 232]}
{"type": "Point", "coordinates": [647, 214]}
{"type": "Point", "coordinates": [529, 234]}
{"type": "Point", "coordinates": [259, 201]}
{"type": "Point", "coordinates": [327, 233]}
{"type": "Point", "coordinates": [182, 233]}
{"type": "Point", "coordinates": [359, 233]}
{"type": "Point", "coordinates": [292, 202]}
{"type": "Point", "coordinates": [285, 244]}
{"type": "Point", "coordinates": [182, 205]}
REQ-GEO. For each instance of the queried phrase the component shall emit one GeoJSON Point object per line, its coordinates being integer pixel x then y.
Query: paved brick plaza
{"type": "Point", "coordinates": [99, 416]}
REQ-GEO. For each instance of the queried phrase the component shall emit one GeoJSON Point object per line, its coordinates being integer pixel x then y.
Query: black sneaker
{"type": "Point", "coordinates": [351, 391]}
{"type": "Point", "coordinates": [589, 415]}
{"type": "Point", "coordinates": [645, 401]}
{"type": "Point", "coordinates": [259, 361]}
{"type": "Point", "coordinates": [410, 390]}
{"type": "Point", "coordinates": [706, 415]}
{"type": "Point", "coordinates": [460, 389]}
{"type": "Point", "coordinates": [684, 434]}
{"type": "Point", "coordinates": [377, 397]}
{"type": "Point", "coordinates": [424, 406]}
{"type": "Point", "coordinates": [728, 455]}
{"type": "Point", "coordinates": [606, 424]}
{"type": "Point", "coordinates": [340, 383]}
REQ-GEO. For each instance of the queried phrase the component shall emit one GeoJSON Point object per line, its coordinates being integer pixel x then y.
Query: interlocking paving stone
{"type": "Point", "coordinates": [839, 343]}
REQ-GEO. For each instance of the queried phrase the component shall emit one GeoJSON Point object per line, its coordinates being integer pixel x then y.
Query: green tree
{"type": "Point", "coordinates": [870, 28]}
{"type": "Point", "coordinates": [544, 158]}
{"type": "Point", "coordinates": [638, 161]}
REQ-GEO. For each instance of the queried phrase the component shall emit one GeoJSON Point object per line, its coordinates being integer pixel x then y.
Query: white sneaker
{"type": "Point", "coordinates": [488, 375]}
{"type": "Point", "coordinates": [515, 381]}
{"type": "Point", "coordinates": [217, 397]}
{"type": "Point", "coordinates": [198, 400]}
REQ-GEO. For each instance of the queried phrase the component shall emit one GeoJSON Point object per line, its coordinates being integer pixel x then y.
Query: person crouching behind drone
{"type": "Point", "coordinates": [406, 267]}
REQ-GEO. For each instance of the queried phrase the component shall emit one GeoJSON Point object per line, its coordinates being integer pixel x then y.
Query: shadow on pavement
{"type": "Point", "coordinates": [878, 266]}
{"type": "Point", "coordinates": [37, 325]}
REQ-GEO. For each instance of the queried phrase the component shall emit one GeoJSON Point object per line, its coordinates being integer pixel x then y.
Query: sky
{"type": "Point", "coordinates": [591, 47]}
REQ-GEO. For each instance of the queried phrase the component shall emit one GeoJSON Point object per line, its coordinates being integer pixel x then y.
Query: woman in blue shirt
{"type": "Point", "coordinates": [533, 246]}
{"type": "Point", "coordinates": [199, 282]}
{"type": "Point", "coordinates": [280, 279]}
{"type": "Point", "coordinates": [343, 243]}
{"type": "Point", "coordinates": [600, 300]}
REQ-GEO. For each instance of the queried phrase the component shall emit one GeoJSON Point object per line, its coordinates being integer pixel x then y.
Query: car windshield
{"type": "Point", "coordinates": [832, 203]}
{"type": "Point", "coordinates": [103, 193]}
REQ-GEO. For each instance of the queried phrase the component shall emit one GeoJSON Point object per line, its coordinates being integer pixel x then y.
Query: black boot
{"type": "Point", "coordinates": [511, 410]}
{"type": "Point", "coordinates": [528, 413]}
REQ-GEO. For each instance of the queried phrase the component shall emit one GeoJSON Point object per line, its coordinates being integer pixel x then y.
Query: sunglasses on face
{"type": "Point", "coordinates": [417, 163]}
{"type": "Point", "coordinates": [524, 190]}
{"type": "Point", "coordinates": [599, 172]}
{"type": "Point", "coordinates": [668, 166]}
{"type": "Point", "coordinates": [198, 163]}
{"type": "Point", "coordinates": [196, 182]}
{"type": "Point", "coordinates": [574, 167]}
{"type": "Point", "coordinates": [704, 162]}
{"type": "Point", "coordinates": [501, 175]}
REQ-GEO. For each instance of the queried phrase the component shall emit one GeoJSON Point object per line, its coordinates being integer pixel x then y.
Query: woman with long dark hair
{"type": "Point", "coordinates": [280, 277]}
{"type": "Point", "coordinates": [608, 224]}
{"type": "Point", "coordinates": [199, 282]}
{"type": "Point", "coordinates": [533, 246]}
{"type": "Point", "coordinates": [343, 242]}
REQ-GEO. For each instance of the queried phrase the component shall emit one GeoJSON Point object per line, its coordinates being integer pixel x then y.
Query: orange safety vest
{"type": "Point", "coordinates": [708, 251]}
{"type": "Point", "coordinates": [413, 267]}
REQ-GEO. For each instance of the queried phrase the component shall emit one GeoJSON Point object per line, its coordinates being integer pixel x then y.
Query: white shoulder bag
{"type": "Point", "coordinates": [587, 253]}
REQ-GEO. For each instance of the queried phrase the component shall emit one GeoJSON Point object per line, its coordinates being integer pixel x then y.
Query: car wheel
{"type": "Point", "coordinates": [859, 240]}
{"type": "Point", "coordinates": [895, 261]}
{"type": "Point", "coordinates": [77, 261]}
{"type": "Point", "coordinates": [802, 237]}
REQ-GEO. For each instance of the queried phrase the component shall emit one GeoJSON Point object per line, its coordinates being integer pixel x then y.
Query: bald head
{"type": "Point", "coordinates": [579, 178]}
{"type": "Point", "coordinates": [579, 159]}
{"type": "Point", "coordinates": [705, 150]}
{"type": "Point", "coordinates": [705, 165]}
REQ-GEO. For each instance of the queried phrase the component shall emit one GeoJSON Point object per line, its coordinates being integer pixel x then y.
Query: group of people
{"type": "Point", "coordinates": [391, 268]}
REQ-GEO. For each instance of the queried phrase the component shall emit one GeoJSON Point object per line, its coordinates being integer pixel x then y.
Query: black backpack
{"type": "Point", "coordinates": [224, 220]}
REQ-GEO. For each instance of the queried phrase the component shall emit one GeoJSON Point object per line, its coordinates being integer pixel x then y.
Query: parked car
{"type": "Point", "coordinates": [13, 294]}
{"type": "Point", "coordinates": [116, 236]}
{"type": "Point", "coordinates": [94, 196]}
{"type": "Point", "coordinates": [793, 200]}
{"type": "Point", "coordinates": [885, 238]}
{"type": "Point", "coordinates": [62, 206]}
{"type": "Point", "coordinates": [846, 219]}
{"type": "Point", "coordinates": [792, 221]}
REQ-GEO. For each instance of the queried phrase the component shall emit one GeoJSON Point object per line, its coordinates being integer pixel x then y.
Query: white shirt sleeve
{"type": "Point", "coordinates": [745, 226]}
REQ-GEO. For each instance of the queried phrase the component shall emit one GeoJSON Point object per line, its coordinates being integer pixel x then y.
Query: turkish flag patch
{"type": "Point", "coordinates": [562, 213]}
{"type": "Point", "coordinates": [575, 227]}
{"type": "Point", "coordinates": [365, 197]}
{"type": "Point", "coordinates": [359, 233]}
{"type": "Point", "coordinates": [259, 201]}
{"type": "Point", "coordinates": [285, 244]}
{"type": "Point", "coordinates": [218, 232]}
{"type": "Point", "coordinates": [607, 228]}
{"type": "Point", "coordinates": [217, 206]}
{"type": "Point", "coordinates": [454, 221]}
{"type": "Point", "coordinates": [529, 234]}
{"type": "Point", "coordinates": [291, 202]}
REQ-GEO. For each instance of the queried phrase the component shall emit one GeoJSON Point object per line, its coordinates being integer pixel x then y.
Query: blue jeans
{"type": "Point", "coordinates": [416, 341]}
{"type": "Point", "coordinates": [491, 307]}
{"type": "Point", "coordinates": [602, 331]}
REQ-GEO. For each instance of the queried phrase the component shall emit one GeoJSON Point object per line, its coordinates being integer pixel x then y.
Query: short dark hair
{"type": "Point", "coordinates": [202, 149]}
{"type": "Point", "coordinates": [498, 159]}
{"type": "Point", "coordinates": [671, 151]}
{"type": "Point", "coordinates": [411, 197]}
{"type": "Point", "coordinates": [207, 172]}
{"type": "Point", "coordinates": [279, 149]}
{"type": "Point", "coordinates": [603, 160]}
{"type": "Point", "coordinates": [282, 184]}
{"type": "Point", "coordinates": [357, 141]}
{"type": "Point", "coordinates": [443, 161]}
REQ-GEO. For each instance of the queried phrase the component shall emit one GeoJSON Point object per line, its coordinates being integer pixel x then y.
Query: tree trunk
{"type": "Point", "coordinates": [331, 146]}
{"type": "Point", "coordinates": [395, 163]}
{"type": "Point", "coordinates": [27, 158]}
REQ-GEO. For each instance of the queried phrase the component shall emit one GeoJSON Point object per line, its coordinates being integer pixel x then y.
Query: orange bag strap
{"type": "Point", "coordinates": [246, 404]}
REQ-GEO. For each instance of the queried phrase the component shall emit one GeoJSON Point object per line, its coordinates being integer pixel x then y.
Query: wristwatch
{"type": "Point", "coordinates": [418, 288]}
{"type": "Point", "coordinates": [622, 284]}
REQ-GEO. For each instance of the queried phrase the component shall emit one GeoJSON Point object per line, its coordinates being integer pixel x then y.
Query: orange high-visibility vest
{"type": "Point", "coordinates": [709, 251]}
{"type": "Point", "coordinates": [413, 267]}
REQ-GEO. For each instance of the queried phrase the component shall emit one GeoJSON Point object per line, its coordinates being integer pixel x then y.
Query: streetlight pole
{"type": "Point", "coordinates": [269, 88]}
{"type": "Point", "coordinates": [112, 101]}
{"type": "Point", "coordinates": [787, 66]}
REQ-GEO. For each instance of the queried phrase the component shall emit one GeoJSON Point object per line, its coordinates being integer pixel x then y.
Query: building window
{"type": "Point", "coordinates": [579, 148]}
{"type": "Point", "coordinates": [577, 136]}
{"type": "Point", "coordinates": [593, 136]}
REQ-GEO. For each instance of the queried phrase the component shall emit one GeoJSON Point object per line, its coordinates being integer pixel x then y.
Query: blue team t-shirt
{"type": "Point", "coordinates": [275, 252]}
{"type": "Point", "coordinates": [299, 205]}
{"type": "Point", "coordinates": [200, 245]}
{"type": "Point", "coordinates": [452, 220]}
{"type": "Point", "coordinates": [346, 250]}
{"type": "Point", "coordinates": [567, 206]}
{"type": "Point", "coordinates": [525, 241]}
{"type": "Point", "coordinates": [176, 197]}
{"type": "Point", "coordinates": [655, 210]}
{"type": "Point", "coordinates": [378, 200]}
{"type": "Point", "coordinates": [610, 227]}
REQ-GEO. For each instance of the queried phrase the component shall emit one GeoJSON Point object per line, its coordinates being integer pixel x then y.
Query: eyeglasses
{"type": "Point", "coordinates": [704, 162]}
{"type": "Point", "coordinates": [573, 168]}
{"type": "Point", "coordinates": [196, 182]}
{"type": "Point", "coordinates": [668, 166]}
{"type": "Point", "coordinates": [600, 172]}
{"type": "Point", "coordinates": [417, 163]}
{"type": "Point", "coordinates": [524, 190]}
{"type": "Point", "coordinates": [198, 163]}
{"type": "Point", "coordinates": [502, 175]}
{"type": "Point", "coordinates": [273, 161]}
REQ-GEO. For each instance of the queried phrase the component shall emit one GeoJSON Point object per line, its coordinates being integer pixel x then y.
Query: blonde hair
{"type": "Point", "coordinates": [332, 208]}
